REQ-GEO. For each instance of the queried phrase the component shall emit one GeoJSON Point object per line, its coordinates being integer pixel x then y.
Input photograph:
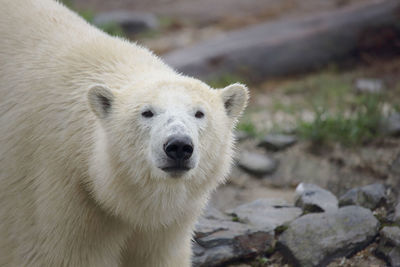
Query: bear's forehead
{"type": "Point", "coordinates": [179, 93]}
{"type": "Point", "coordinates": [179, 96]}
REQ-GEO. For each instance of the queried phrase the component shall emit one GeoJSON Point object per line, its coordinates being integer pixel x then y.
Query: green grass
{"type": "Point", "coordinates": [113, 29]}
{"type": "Point", "coordinates": [280, 229]}
{"type": "Point", "coordinates": [248, 127]}
{"type": "Point", "coordinates": [87, 14]}
{"type": "Point", "coordinates": [225, 80]}
{"type": "Point", "coordinates": [328, 89]}
{"type": "Point", "coordinates": [166, 24]}
{"type": "Point", "coordinates": [278, 105]}
{"type": "Point", "coordinates": [148, 34]}
{"type": "Point", "coordinates": [67, 3]}
{"type": "Point", "coordinates": [262, 260]}
{"type": "Point", "coordinates": [354, 127]}
{"type": "Point", "coordinates": [339, 114]}
{"type": "Point", "coordinates": [235, 219]}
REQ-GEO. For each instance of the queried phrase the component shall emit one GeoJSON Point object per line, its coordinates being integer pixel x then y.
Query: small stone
{"type": "Point", "coordinates": [396, 217]}
{"type": "Point", "coordinates": [318, 238]}
{"type": "Point", "coordinates": [277, 142]}
{"type": "Point", "coordinates": [391, 235]}
{"type": "Point", "coordinates": [371, 86]}
{"type": "Point", "coordinates": [267, 214]}
{"type": "Point", "coordinates": [391, 125]}
{"type": "Point", "coordinates": [389, 245]}
{"type": "Point", "coordinates": [241, 135]}
{"type": "Point", "coordinates": [131, 22]}
{"type": "Point", "coordinates": [394, 257]}
{"type": "Point", "coordinates": [312, 198]}
{"type": "Point", "coordinates": [257, 164]}
{"type": "Point", "coordinates": [395, 166]}
{"type": "Point", "coordinates": [369, 196]}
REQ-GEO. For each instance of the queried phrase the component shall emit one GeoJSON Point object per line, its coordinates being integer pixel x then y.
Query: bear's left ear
{"type": "Point", "coordinates": [100, 100]}
{"type": "Point", "coordinates": [234, 97]}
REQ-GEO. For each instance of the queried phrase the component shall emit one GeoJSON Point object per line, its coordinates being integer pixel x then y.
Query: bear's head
{"type": "Point", "coordinates": [161, 146]}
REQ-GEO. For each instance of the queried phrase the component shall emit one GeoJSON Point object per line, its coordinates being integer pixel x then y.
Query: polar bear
{"type": "Point", "coordinates": [107, 155]}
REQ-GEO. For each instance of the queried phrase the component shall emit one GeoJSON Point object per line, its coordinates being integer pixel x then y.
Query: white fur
{"type": "Point", "coordinates": [79, 187]}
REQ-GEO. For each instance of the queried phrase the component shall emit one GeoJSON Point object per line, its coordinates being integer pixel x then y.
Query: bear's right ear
{"type": "Point", "coordinates": [100, 100]}
{"type": "Point", "coordinates": [234, 97]}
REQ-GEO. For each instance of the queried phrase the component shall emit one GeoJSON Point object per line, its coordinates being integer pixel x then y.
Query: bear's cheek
{"type": "Point", "coordinates": [214, 144]}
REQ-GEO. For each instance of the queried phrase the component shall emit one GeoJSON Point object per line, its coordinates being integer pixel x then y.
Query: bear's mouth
{"type": "Point", "coordinates": [176, 170]}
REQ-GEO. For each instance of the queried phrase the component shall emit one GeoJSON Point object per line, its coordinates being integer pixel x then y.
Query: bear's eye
{"type": "Point", "coordinates": [147, 114]}
{"type": "Point", "coordinates": [199, 114]}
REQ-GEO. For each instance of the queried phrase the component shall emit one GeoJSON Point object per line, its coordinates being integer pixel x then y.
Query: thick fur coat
{"type": "Point", "coordinates": [80, 176]}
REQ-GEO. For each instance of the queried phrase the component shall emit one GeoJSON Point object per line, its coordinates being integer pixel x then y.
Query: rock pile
{"type": "Point", "coordinates": [315, 231]}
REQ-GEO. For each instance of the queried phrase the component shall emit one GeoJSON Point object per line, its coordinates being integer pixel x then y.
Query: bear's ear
{"type": "Point", "coordinates": [100, 100]}
{"type": "Point", "coordinates": [235, 97]}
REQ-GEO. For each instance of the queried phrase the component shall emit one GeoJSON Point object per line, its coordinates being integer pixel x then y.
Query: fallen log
{"type": "Point", "coordinates": [289, 46]}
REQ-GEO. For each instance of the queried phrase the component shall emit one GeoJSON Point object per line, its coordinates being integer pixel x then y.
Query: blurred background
{"type": "Point", "coordinates": [324, 77]}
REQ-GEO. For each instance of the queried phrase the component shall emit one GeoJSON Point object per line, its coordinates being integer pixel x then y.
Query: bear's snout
{"type": "Point", "coordinates": [179, 148]}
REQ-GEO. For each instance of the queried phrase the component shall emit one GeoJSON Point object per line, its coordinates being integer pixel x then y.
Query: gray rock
{"type": "Point", "coordinates": [227, 230]}
{"type": "Point", "coordinates": [218, 255]}
{"type": "Point", "coordinates": [312, 198]}
{"type": "Point", "coordinates": [276, 142]}
{"type": "Point", "coordinates": [316, 239]}
{"type": "Point", "coordinates": [213, 214]}
{"type": "Point", "coordinates": [257, 164]}
{"type": "Point", "coordinates": [389, 245]}
{"type": "Point", "coordinates": [131, 22]}
{"type": "Point", "coordinates": [205, 227]}
{"type": "Point", "coordinates": [369, 196]}
{"type": "Point", "coordinates": [391, 125]}
{"type": "Point", "coordinates": [372, 86]}
{"type": "Point", "coordinates": [266, 214]}
{"type": "Point", "coordinates": [218, 242]}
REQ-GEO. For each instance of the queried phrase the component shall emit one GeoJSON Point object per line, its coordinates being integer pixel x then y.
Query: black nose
{"type": "Point", "coordinates": [179, 148]}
